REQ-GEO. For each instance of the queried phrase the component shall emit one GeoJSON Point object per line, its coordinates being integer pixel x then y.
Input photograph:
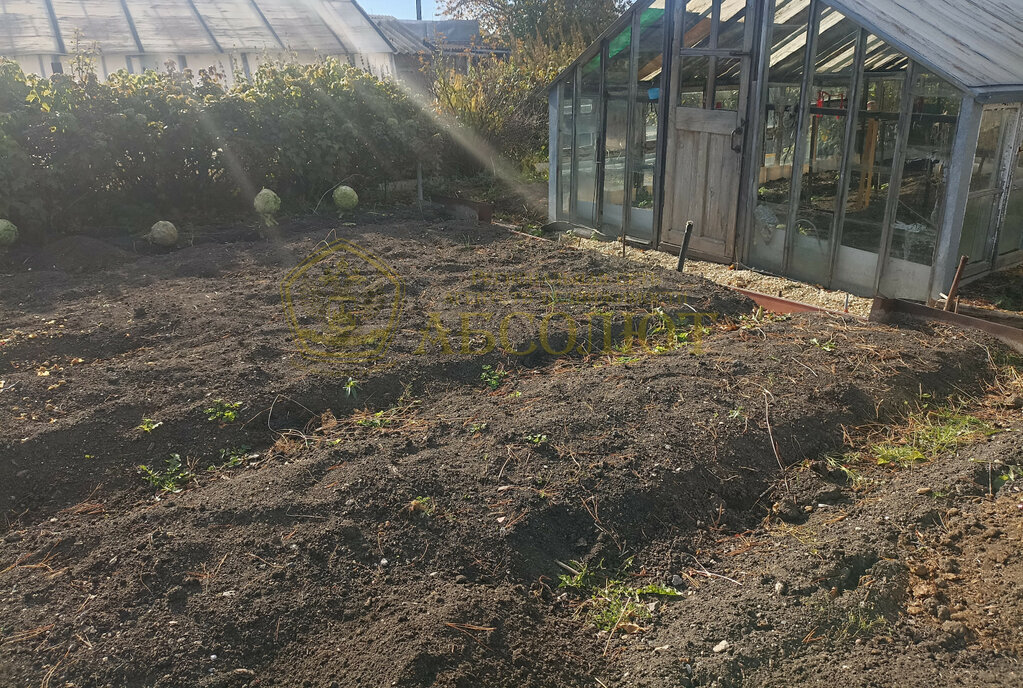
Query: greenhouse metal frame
{"type": "Point", "coordinates": [905, 116]}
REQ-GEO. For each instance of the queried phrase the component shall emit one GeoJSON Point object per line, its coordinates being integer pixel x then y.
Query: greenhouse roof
{"type": "Point", "coordinates": [30, 27]}
{"type": "Point", "coordinates": [976, 44]}
{"type": "Point", "coordinates": [415, 37]}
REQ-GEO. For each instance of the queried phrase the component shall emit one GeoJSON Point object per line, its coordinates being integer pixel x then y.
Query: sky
{"type": "Point", "coordinates": [402, 9]}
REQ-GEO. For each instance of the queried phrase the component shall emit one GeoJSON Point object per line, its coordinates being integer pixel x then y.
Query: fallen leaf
{"type": "Point", "coordinates": [629, 627]}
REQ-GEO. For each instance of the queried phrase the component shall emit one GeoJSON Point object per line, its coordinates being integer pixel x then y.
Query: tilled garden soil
{"type": "Point", "coordinates": [404, 520]}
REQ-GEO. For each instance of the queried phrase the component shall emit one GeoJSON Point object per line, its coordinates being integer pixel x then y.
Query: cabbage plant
{"type": "Point", "coordinates": [267, 203]}
{"type": "Point", "coordinates": [163, 233]}
{"type": "Point", "coordinates": [8, 233]}
{"type": "Point", "coordinates": [345, 198]}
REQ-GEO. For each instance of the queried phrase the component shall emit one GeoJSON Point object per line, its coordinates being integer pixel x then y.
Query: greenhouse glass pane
{"type": "Point", "coordinates": [824, 143]}
{"type": "Point", "coordinates": [871, 170]}
{"type": "Point", "coordinates": [587, 128]}
{"type": "Point", "coordinates": [1012, 228]}
{"type": "Point", "coordinates": [566, 114]}
{"type": "Point", "coordinates": [643, 145]}
{"type": "Point", "coordinates": [932, 129]}
{"type": "Point", "coordinates": [778, 136]}
{"type": "Point", "coordinates": [616, 89]}
{"type": "Point", "coordinates": [696, 24]}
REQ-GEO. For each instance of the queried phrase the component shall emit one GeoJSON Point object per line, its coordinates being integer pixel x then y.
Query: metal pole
{"type": "Point", "coordinates": [419, 10]}
{"type": "Point", "coordinates": [685, 246]}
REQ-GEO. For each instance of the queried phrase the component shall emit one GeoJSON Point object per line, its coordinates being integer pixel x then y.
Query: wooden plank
{"type": "Point", "coordinates": [718, 190]}
{"type": "Point", "coordinates": [683, 189]}
{"type": "Point", "coordinates": [710, 121]}
{"type": "Point", "coordinates": [723, 192]}
{"type": "Point", "coordinates": [706, 182]}
{"type": "Point", "coordinates": [698, 185]}
{"type": "Point", "coordinates": [682, 185]}
{"type": "Point", "coordinates": [730, 177]}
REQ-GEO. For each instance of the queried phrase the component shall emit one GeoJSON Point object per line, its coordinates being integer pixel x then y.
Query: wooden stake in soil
{"type": "Point", "coordinates": [954, 289]}
{"type": "Point", "coordinates": [685, 246]}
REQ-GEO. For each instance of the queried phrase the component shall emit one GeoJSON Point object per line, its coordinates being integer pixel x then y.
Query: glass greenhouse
{"type": "Point", "coordinates": [863, 145]}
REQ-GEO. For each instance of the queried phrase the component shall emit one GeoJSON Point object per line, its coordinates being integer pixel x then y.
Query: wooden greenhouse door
{"type": "Point", "coordinates": [703, 164]}
{"type": "Point", "coordinates": [706, 181]}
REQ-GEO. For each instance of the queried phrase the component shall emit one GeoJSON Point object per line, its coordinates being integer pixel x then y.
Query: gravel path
{"type": "Point", "coordinates": [734, 277]}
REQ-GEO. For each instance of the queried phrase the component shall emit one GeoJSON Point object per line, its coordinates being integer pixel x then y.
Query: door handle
{"type": "Point", "coordinates": [738, 132]}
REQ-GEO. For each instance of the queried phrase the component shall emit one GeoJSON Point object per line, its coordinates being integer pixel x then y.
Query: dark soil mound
{"type": "Point", "coordinates": [78, 254]}
{"type": "Point", "coordinates": [403, 521]}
